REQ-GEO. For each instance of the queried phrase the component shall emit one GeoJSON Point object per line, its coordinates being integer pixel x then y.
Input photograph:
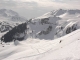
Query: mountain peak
{"type": "Point", "coordinates": [7, 13]}
{"type": "Point", "coordinates": [10, 15]}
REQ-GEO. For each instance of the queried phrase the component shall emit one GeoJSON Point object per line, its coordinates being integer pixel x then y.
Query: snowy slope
{"type": "Point", "coordinates": [35, 49]}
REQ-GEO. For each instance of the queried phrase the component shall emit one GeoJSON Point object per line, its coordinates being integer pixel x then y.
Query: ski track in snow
{"type": "Point", "coordinates": [49, 51]}
{"type": "Point", "coordinates": [58, 48]}
{"type": "Point", "coordinates": [52, 49]}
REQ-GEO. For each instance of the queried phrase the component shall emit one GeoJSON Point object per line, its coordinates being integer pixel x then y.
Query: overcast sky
{"type": "Point", "coordinates": [35, 8]}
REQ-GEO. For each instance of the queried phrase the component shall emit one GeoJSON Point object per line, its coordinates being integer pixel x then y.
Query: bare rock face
{"type": "Point", "coordinates": [71, 29]}
{"type": "Point", "coordinates": [17, 33]}
{"type": "Point", "coordinates": [4, 26]}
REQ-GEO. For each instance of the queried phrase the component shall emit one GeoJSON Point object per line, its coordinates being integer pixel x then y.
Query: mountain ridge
{"type": "Point", "coordinates": [51, 26]}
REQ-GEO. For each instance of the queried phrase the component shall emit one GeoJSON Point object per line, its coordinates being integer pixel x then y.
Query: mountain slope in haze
{"type": "Point", "coordinates": [9, 19]}
{"type": "Point", "coordinates": [11, 16]}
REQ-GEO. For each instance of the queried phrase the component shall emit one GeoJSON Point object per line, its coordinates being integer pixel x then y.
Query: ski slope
{"type": "Point", "coordinates": [64, 48]}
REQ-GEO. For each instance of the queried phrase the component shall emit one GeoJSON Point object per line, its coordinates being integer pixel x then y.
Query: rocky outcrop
{"type": "Point", "coordinates": [48, 30]}
{"type": "Point", "coordinates": [71, 29]}
{"type": "Point", "coordinates": [4, 26]}
{"type": "Point", "coordinates": [17, 33]}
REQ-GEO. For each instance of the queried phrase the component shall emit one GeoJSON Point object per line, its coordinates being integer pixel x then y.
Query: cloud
{"type": "Point", "coordinates": [34, 8]}
{"type": "Point", "coordinates": [56, 4]}
{"type": "Point", "coordinates": [41, 3]}
{"type": "Point", "coordinates": [7, 4]}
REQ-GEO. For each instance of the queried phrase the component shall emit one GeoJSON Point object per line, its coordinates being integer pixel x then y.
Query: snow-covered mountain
{"type": "Point", "coordinates": [52, 36]}
{"type": "Point", "coordinates": [9, 19]}
{"type": "Point", "coordinates": [51, 25]}
{"type": "Point", "coordinates": [11, 16]}
{"type": "Point", "coordinates": [54, 24]}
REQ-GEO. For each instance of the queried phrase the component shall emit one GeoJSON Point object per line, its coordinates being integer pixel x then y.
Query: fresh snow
{"type": "Point", "coordinates": [35, 49]}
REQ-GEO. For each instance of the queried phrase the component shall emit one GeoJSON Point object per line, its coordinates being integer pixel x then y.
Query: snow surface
{"type": "Point", "coordinates": [10, 15]}
{"type": "Point", "coordinates": [35, 49]}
